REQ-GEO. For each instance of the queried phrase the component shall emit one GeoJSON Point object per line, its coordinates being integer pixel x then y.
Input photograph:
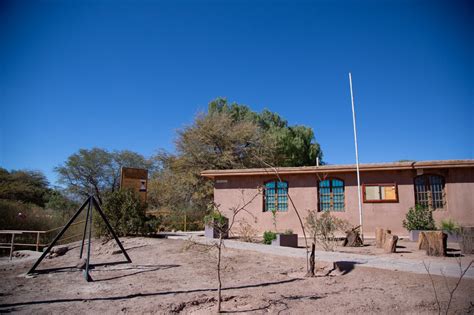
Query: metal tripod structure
{"type": "Point", "coordinates": [90, 202]}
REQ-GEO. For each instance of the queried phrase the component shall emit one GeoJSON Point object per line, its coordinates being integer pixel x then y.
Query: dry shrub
{"type": "Point", "coordinates": [323, 228]}
{"type": "Point", "coordinates": [16, 215]}
{"type": "Point", "coordinates": [247, 232]}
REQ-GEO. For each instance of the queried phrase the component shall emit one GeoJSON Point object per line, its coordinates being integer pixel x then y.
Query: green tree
{"type": "Point", "coordinates": [228, 136]}
{"type": "Point", "coordinates": [59, 202]}
{"type": "Point", "coordinates": [96, 171]}
{"type": "Point", "coordinates": [24, 186]}
{"type": "Point", "coordinates": [125, 212]}
{"type": "Point", "coordinates": [283, 144]}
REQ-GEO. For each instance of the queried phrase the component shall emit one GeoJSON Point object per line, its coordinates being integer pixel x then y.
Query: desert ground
{"type": "Point", "coordinates": [167, 277]}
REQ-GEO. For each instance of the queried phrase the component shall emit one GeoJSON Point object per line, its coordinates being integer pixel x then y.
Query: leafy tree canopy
{"type": "Point", "coordinates": [97, 170]}
{"type": "Point", "coordinates": [25, 186]}
{"type": "Point", "coordinates": [284, 145]}
{"type": "Point", "coordinates": [228, 136]}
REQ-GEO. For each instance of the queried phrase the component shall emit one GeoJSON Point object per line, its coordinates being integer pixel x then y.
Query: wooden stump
{"type": "Point", "coordinates": [386, 235]}
{"type": "Point", "coordinates": [379, 237]}
{"type": "Point", "coordinates": [467, 242]}
{"type": "Point", "coordinates": [422, 241]}
{"type": "Point", "coordinates": [353, 238]}
{"type": "Point", "coordinates": [311, 262]}
{"type": "Point", "coordinates": [390, 244]}
{"type": "Point", "coordinates": [437, 243]}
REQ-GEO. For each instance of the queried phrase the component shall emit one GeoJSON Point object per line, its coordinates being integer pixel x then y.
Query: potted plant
{"type": "Point", "coordinates": [452, 229]}
{"type": "Point", "coordinates": [287, 239]}
{"type": "Point", "coordinates": [215, 224]}
{"type": "Point", "coordinates": [268, 237]}
{"type": "Point", "coordinates": [418, 219]}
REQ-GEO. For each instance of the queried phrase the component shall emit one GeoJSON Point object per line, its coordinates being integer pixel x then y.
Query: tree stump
{"type": "Point", "coordinates": [422, 241]}
{"type": "Point", "coordinates": [379, 237]}
{"type": "Point", "coordinates": [386, 234]}
{"type": "Point", "coordinates": [437, 243]}
{"type": "Point", "coordinates": [467, 242]}
{"type": "Point", "coordinates": [353, 238]}
{"type": "Point", "coordinates": [311, 262]}
{"type": "Point", "coordinates": [390, 244]}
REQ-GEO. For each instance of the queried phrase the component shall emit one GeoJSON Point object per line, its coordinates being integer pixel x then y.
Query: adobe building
{"type": "Point", "coordinates": [388, 190]}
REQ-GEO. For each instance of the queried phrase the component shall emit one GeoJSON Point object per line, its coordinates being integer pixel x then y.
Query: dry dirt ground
{"type": "Point", "coordinates": [165, 278]}
{"type": "Point", "coordinates": [405, 249]}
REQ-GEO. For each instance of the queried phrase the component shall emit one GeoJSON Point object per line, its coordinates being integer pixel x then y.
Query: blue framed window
{"type": "Point", "coordinates": [275, 196]}
{"type": "Point", "coordinates": [331, 195]}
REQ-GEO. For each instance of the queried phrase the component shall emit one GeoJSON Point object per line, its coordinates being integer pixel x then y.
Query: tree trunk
{"type": "Point", "coordinates": [422, 241]}
{"type": "Point", "coordinates": [437, 243]}
{"type": "Point", "coordinates": [353, 238]}
{"type": "Point", "coordinates": [386, 235]}
{"type": "Point", "coordinates": [311, 262]}
{"type": "Point", "coordinates": [467, 242]}
{"type": "Point", "coordinates": [390, 244]}
{"type": "Point", "coordinates": [219, 282]}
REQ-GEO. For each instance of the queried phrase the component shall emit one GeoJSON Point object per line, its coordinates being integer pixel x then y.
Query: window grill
{"type": "Point", "coordinates": [276, 196]}
{"type": "Point", "coordinates": [429, 191]}
{"type": "Point", "coordinates": [331, 195]}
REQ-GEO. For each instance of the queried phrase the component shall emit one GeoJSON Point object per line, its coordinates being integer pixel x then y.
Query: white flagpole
{"type": "Point", "coordinates": [357, 159]}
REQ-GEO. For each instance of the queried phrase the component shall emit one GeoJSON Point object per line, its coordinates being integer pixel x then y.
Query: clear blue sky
{"type": "Point", "coordinates": [127, 74]}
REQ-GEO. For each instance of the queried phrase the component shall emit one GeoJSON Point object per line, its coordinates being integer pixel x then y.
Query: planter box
{"type": "Point", "coordinates": [453, 238]}
{"type": "Point", "coordinates": [211, 232]}
{"type": "Point", "coordinates": [287, 240]}
{"type": "Point", "coordinates": [414, 235]}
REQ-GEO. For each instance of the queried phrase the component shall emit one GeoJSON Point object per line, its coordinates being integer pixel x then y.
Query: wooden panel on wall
{"type": "Point", "coordinates": [135, 179]}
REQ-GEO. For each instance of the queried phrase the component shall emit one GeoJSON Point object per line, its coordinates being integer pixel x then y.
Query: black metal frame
{"type": "Point", "coordinates": [90, 202]}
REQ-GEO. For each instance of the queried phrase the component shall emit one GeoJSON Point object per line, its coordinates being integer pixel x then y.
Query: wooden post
{"type": "Point", "coordinates": [185, 222]}
{"type": "Point", "coordinates": [467, 243]}
{"type": "Point", "coordinates": [353, 238]}
{"type": "Point", "coordinates": [390, 245]}
{"type": "Point", "coordinates": [37, 241]}
{"type": "Point", "coordinates": [311, 262]}
{"type": "Point", "coordinates": [422, 241]}
{"type": "Point", "coordinates": [436, 243]}
{"type": "Point", "coordinates": [386, 235]}
{"type": "Point", "coordinates": [379, 237]}
{"type": "Point", "coordinates": [12, 245]}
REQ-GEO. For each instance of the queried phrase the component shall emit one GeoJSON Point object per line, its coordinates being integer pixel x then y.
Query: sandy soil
{"type": "Point", "coordinates": [164, 278]}
{"type": "Point", "coordinates": [405, 249]}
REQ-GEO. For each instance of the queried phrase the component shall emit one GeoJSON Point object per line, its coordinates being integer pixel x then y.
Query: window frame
{"type": "Point", "coordinates": [276, 181]}
{"type": "Point", "coordinates": [396, 200]}
{"type": "Point", "coordinates": [429, 192]}
{"type": "Point", "coordinates": [331, 195]}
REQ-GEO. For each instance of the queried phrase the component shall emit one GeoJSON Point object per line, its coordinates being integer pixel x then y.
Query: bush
{"type": "Point", "coordinates": [152, 224]}
{"type": "Point", "coordinates": [324, 228]}
{"type": "Point", "coordinates": [16, 215]}
{"type": "Point", "coordinates": [247, 232]}
{"type": "Point", "coordinates": [268, 237]}
{"type": "Point", "coordinates": [125, 212]}
{"type": "Point", "coordinates": [450, 227]}
{"type": "Point", "coordinates": [215, 219]}
{"type": "Point", "coordinates": [419, 218]}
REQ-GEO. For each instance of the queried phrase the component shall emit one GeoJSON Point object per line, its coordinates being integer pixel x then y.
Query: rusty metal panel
{"type": "Point", "coordinates": [135, 179]}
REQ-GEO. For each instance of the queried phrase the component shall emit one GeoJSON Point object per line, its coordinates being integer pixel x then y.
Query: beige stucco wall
{"type": "Point", "coordinates": [231, 192]}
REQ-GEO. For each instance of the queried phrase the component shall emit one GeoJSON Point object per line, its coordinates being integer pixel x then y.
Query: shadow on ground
{"type": "Point", "coordinates": [344, 267]}
{"type": "Point", "coordinates": [10, 307]}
